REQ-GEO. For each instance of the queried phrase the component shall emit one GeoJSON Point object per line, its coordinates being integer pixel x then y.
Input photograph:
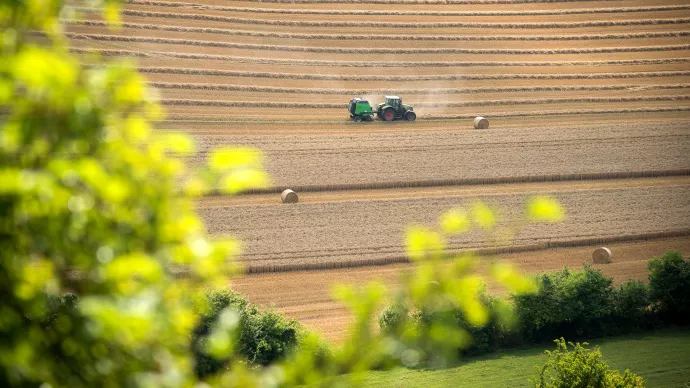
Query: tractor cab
{"type": "Point", "coordinates": [393, 101]}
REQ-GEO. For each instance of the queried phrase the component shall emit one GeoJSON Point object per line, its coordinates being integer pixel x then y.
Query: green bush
{"type": "Point", "coordinates": [263, 336]}
{"type": "Point", "coordinates": [484, 339]}
{"type": "Point", "coordinates": [567, 303]}
{"type": "Point", "coordinates": [581, 368]}
{"type": "Point", "coordinates": [488, 337]}
{"type": "Point", "coordinates": [631, 304]}
{"type": "Point", "coordinates": [669, 283]}
{"type": "Point", "coordinates": [393, 318]}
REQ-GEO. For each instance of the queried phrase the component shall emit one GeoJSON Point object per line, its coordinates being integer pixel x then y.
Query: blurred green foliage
{"type": "Point", "coordinates": [262, 337]}
{"type": "Point", "coordinates": [94, 202]}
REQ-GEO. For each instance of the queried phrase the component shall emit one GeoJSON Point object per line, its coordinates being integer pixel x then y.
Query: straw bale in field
{"type": "Point", "coordinates": [601, 256]}
{"type": "Point", "coordinates": [289, 196]}
{"type": "Point", "coordinates": [481, 123]}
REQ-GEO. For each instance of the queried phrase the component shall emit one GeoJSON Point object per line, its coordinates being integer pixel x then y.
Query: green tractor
{"type": "Point", "coordinates": [392, 109]}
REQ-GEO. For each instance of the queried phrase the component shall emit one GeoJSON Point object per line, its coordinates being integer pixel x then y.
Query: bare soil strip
{"type": "Point", "coordinates": [306, 296]}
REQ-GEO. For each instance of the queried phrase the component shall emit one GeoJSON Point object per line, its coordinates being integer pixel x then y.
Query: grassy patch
{"type": "Point", "coordinates": [662, 358]}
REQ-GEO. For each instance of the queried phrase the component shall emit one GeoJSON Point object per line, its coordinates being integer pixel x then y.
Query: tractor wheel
{"type": "Point", "coordinates": [370, 118]}
{"type": "Point", "coordinates": [410, 116]}
{"type": "Point", "coordinates": [358, 119]}
{"type": "Point", "coordinates": [388, 114]}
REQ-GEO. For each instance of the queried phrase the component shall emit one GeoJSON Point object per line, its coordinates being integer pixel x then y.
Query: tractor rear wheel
{"type": "Point", "coordinates": [410, 116]}
{"type": "Point", "coordinates": [388, 114]}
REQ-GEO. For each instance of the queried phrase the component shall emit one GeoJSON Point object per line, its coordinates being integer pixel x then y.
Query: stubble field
{"type": "Point", "coordinates": [589, 101]}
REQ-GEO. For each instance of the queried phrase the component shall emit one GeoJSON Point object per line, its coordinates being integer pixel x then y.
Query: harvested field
{"type": "Point", "coordinates": [341, 229]}
{"type": "Point", "coordinates": [403, 155]}
{"type": "Point", "coordinates": [588, 100]}
{"type": "Point", "coordinates": [306, 295]}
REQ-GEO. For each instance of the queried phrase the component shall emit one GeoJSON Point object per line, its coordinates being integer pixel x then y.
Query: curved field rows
{"type": "Point", "coordinates": [306, 296]}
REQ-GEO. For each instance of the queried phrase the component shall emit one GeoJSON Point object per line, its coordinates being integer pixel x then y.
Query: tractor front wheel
{"type": "Point", "coordinates": [388, 114]}
{"type": "Point", "coordinates": [358, 119]}
{"type": "Point", "coordinates": [410, 116]}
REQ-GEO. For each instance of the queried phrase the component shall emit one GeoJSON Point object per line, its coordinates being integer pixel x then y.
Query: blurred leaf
{"type": "Point", "coordinates": [244, 179]}
{"type": "Point", "coordinates": [509, 276]}
{"type": "Point", "coordinates": [111, 13]}
{"type": "Point", "coordinates": [455, 221]}
{"type": "Point", "coordinates": [483, 215]}
{"type": "Point", "coordinates": [544, 208]}
{"type": "Point", "coordinates": [421, 243]}
{"type": "Point", "coordinates": [224, 159]}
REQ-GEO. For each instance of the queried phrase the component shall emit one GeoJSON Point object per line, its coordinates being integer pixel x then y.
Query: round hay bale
{"type": "Point", "coordinates": [601, 256]}
{"type": "Point", "coordinates": [481, 123]}
{"type": "Point", "coordinates": [288, 196]}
